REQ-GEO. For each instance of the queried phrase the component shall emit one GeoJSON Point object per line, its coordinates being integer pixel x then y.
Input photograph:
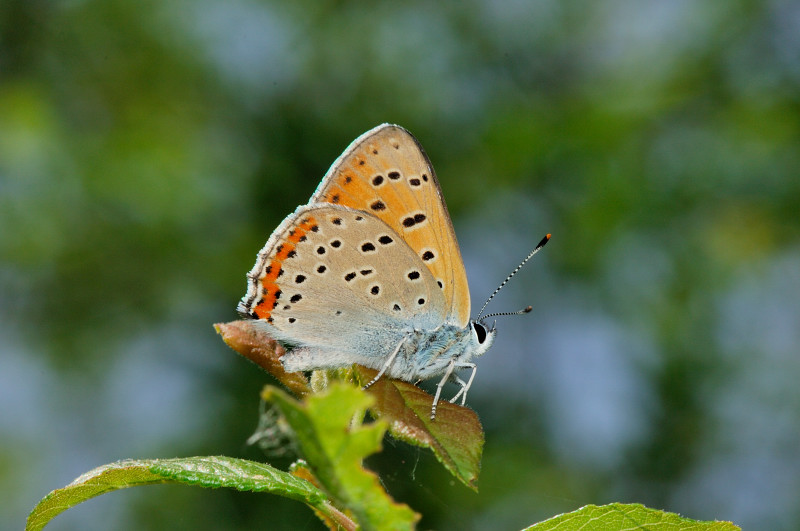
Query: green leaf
{"type": "Point", "coordinates": [331, 436]}
{"type": "Point", "coordinates": [622, 517]}
{"type": "Point", "coordinates": [455, 437]}
{"type": "Point", "coordinates": [210, 472]}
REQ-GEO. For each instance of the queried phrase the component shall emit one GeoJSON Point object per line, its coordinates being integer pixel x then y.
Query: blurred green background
{"type": "Point", "coordinates": [148, 149]}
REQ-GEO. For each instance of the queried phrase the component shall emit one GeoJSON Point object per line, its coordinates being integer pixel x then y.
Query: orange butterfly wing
{"type": "Point", "coordinates": [385, 172]}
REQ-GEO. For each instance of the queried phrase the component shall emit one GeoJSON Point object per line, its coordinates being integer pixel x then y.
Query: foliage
{"type": "Point", "coordinates": [328, 429]}
{"type": "Point", "coordinates": [623, 517]}
{"type": "Point", "coordinates": [332, 481]}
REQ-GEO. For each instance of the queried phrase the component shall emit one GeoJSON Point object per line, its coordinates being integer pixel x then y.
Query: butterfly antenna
{"type": "Point", "coordinates": [526, 310]}
{"type": "Point", "coordinates": [523, 311]}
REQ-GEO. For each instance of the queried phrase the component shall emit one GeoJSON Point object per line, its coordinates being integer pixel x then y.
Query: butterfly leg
{"type": "Point", "coordinates": [450, 368]}
{"type": "Point", "coordinates": [386, 365]}
{"type": "Point", "coordinates": [460, 392]}
{"type": "Point", "coordinates": [464, 386]}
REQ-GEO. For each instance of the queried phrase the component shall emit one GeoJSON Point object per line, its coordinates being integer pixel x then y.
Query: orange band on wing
{"type": "Point", "coordinates": [272, 292]}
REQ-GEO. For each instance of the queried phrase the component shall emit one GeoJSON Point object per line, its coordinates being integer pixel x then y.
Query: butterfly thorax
{"type": "Point", "coordinates": [426, 353]}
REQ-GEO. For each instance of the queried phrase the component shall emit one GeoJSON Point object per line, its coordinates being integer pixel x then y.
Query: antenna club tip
{"type": "Point", "coordinates": [543, 242]}
{"type": "Point", "coordinates": [527, 309]}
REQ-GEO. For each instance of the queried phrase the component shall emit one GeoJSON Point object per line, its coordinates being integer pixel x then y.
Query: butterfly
{"type": "Point", "coordinates": [370, 272]}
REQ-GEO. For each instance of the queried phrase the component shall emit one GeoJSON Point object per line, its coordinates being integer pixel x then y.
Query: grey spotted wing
{"type": "Point", "coordinates": [341, 283]}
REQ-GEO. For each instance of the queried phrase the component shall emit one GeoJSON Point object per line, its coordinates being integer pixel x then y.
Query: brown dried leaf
{"type": "Point", "coordinates": [257, 346]}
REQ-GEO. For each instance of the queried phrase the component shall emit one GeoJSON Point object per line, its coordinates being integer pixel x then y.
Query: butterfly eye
{"type": "Point", "coordinates": [480, 331]}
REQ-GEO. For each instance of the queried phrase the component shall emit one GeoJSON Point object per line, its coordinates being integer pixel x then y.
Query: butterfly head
{"type": "Point", "coordinates": [481, 337]}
